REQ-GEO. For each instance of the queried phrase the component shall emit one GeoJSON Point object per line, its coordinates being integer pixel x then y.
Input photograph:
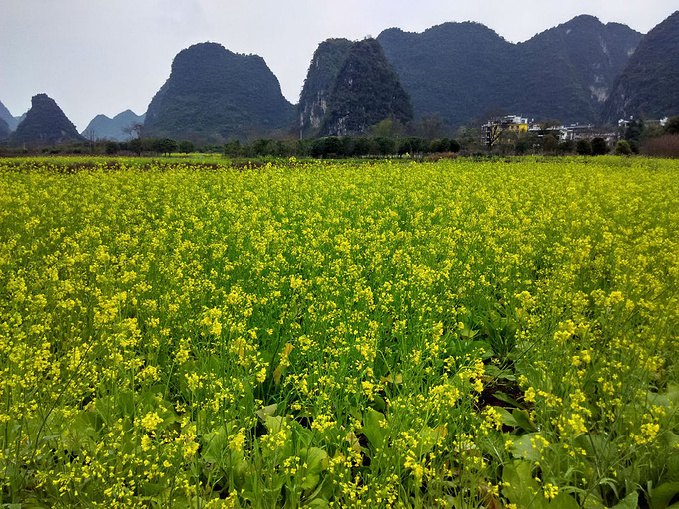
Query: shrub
{"type": "Point", "coordinates": [583, 147]}
{"type": "Point", "coordinates": [599, 147]}
{"type": "Point", "coordinates": [622, 148]}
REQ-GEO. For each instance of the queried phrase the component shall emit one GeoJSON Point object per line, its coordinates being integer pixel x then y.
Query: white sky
{"type": "Point", "coordinates": [102, 56]}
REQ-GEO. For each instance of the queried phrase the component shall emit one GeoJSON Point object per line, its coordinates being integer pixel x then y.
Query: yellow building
{"type": "Point", "coordinates": [493, 129]}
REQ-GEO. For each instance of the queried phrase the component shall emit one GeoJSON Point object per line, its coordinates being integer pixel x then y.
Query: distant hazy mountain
{"type": "Point", "coordinates": [5, 131]}
{"type": "Point", "coordinates": [649, 84]}
{"type": "Point", "coordinates": [320, 79]}
{"type": "Point", "coordinates": [461, 70]}
{"type": "Point", "coordinates": [366, 91]}
{"type": "Point", "coordinates": [213, 95]}
{"type": "Point", "coordinates": [45, 123]}
{"type": "Point", "coordinates": [102, 127]}
{"type": "Point", "coordinates": [5, 115]}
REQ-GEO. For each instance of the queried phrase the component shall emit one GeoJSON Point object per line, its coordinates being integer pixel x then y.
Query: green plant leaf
{"type": "Point", "coordinates": [662, 495]}
{"type": "Point", "coordinates": [372, 428]}
{"type": "Point", "coordinates": [266, 411]}
{"type": "Point", "coordinates": [523, 420]}
{"type": "Point", "coordinates": [631, 501]}
{"type": "Point", "coordinates": [316, 461]}
{"type": "Point", "coordinates": [523, 448]}
{"type": "Point", "coordinates": [564, 501]}
{"type": "Point", "coordinates": [521, 488]}
{"type": "Point", "coordinates": [507, 418]}
{"type": "Point", "coordinates": [506, 398]}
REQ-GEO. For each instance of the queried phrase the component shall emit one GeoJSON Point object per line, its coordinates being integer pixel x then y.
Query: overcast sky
{"type": "Point", "coordinates": [102, 56]}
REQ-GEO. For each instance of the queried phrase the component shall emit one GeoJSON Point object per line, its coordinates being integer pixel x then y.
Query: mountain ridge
{"type": "Point", "coordinates": [460, 70]}
{"type": "Point", "coordinates": [648, 85]}
{"type": "Point", "coordinates": [366, 91]}
{"type": "Point", "coordinates": [113, 129]}
{"type": "Point", "coordinates": [45, 124]}
{"type": "Point", "coordinates": [238, 97]}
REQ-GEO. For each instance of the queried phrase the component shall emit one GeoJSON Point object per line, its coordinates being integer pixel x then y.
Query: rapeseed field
{"type": "Point", "coordinates": [458, 334]}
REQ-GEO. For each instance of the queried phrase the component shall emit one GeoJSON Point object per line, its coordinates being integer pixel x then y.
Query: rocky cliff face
{"type": "Point", "coordinates": [366, 91]}
{"type": "Point", "coordinates": [313, 101]}
{"type": "Point", "coordinates": [649, 84]}
{"type": "Point", "coordinates": [45, 124]}
{"type": "Point", "coordinates": [213, 95]}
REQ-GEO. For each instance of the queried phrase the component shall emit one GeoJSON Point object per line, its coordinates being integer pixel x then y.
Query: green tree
{"type": "Point", "coordinates": [634, 130]}
{"type": "Point", "coordinates": [384, 146]}
{"type": "Point", "coordinates": [330, 146]}
{"type": "Point", "coordinates": [262, 147]}
{"type": "Point", "coordinates": [111, 147]}
{"type": "Point", "coordinates": [599, 146]}
{"type": "Point", "coordinates": [233, 149]}
{"type": "Point", "coordinates": [549, 144]}
{"type": "Point", "coordinates": [165, 146]}
{"type": "Point", "coordinates": [412, 145]}
{"type": "Point", "coordinates": [672, 125]}
{"type": "Point", "coordinates": [186, 146]}
{"type": "Point", "coordinates": [388, 128]}
{"type": "Point", "coordinates": [361, 146]}
{"type": "Point", "coordinates": [583, 147]}
{"type": "Point", "coordinates": [622, 148]}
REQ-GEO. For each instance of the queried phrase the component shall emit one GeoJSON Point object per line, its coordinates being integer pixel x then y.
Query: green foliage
{"type": "Point", "coordinates": [166, 146]}
{"type": "Point", "coordinates": [330, 146]}
{"type": "Point", "coordinates": [599, 146]}
{"type": "Point", "coordinates": [186, 146]}
{"type": "Point", "coordinates": [388, 128]}
{"type": "Point", "coordinates": [584, 147]}
{"type": "Point", "coordinates": [634, 130]}
{"type": "Point", "coordinates": [111, 147]}
{"type": "Point", "coordinates": [672, 125]}
{"type": "Point", "coordinates": [233, 149]}
{"type": "Point", "coordinates": [622, 148]}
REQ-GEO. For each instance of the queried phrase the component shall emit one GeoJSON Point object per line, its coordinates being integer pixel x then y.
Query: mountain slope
{"type": "Point", "coordinates": [457, 70]}
{"type": "Point", "coordinates": [7, 117]}
{"type": "Point", "coordinates": [461, 70]}
{"type": "Point", "coordinates": [367, 90]}
{"type": "Point", "coordinates": [103, 127]}
{"type": "Point", "coordinates": [569, 69]}
{"type": "Point", "coordinates": [5, 131]}
{"type": "Point", "coordinates": [313, 100]}
{"type": "Point", "coordinates": [649, 84]}
{"type": "Point", "coordinates": [213, 95]}
{"type": "Point", "coordinates": [45, 124]}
